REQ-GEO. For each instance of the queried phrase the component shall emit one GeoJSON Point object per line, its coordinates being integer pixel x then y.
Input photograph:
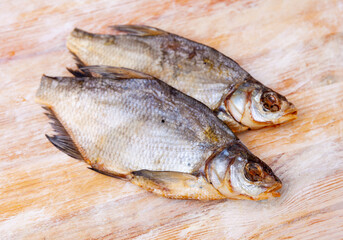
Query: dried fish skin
{"type": "Point", "coordinates": [193, 68]}
{"type": "Point", "coordinates": [146, 132]}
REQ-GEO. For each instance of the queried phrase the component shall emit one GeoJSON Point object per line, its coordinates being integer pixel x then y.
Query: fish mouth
{"type": "Point", "coordinates": [289, 115]}
{"type": "Point", "coordinates": [275, 187]}
{"type": "Point", "coordinates": [271, 192]}
{"type": "Point", "coordinates": [268, 194]}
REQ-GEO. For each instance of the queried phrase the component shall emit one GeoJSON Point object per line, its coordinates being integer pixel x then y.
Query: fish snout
{"type": "Point", "coordinates": [290, 113]}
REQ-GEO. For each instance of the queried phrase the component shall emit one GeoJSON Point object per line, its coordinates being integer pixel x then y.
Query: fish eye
{"type": "Point", "coordinates": [253, 172]}
{"type": "Point", "coordinates": [270, 102]}
{"type": "Point", "coordinates": [275, 108]}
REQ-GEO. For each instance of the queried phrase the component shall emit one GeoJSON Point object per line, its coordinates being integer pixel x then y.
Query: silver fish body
{"type": "Point", "coordinates": [147, 132]}
{"type": "Point", "coordinates": [195, 69]}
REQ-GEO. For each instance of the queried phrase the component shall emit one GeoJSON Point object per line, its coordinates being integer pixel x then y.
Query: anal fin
{"type": "Point", "coordinates": [176, 185]}
{"type": "Point", "coordinates": [61, 140]}
{"type": "Point", "coordinates": [100, 168]}
{"type": "Point", "coordinates": [235, 126]}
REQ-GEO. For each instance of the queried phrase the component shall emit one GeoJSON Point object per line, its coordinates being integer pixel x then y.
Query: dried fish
{"type": "Point", "coordinates": [193, 68]}
{"type": "Point", "coordinates": [138, 128]}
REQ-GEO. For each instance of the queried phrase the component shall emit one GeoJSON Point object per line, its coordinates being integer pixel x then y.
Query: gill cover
{"type": "Point", "coordinates": [238, 174]}
{"type": "Point", "coordinates": [255, 106]}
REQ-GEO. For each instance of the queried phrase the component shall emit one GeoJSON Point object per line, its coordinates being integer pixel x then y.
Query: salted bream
{"type": "Point", "coordinates": [195, 69]}
{"type": "Point", "coordinates": [137, 128]}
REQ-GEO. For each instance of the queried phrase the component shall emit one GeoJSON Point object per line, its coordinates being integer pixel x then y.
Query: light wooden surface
{"type": "Point", "coordinates": [295, 47]}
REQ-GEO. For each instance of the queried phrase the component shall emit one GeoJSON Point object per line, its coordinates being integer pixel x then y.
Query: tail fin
{"type": "Point", "coordinates": [74, 43]}
{"type": "Point", "coordinates": [78, 33]}
{"type": "Point", "coordinates": [42, 94]}
{"type": "Point", "coordinates": [46, 95]}
{"type": "Point", "coordinates": [51, 89]}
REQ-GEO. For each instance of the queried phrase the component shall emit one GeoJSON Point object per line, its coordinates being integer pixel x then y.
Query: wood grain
{"type": "Point", "coordinates": [295, 47]}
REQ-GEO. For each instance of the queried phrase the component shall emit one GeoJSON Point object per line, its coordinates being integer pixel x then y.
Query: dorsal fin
{"type": "Point", "coordinates": [79, 64]}
{"type": "Point", "coordinates": [79, 73]}
{"type": "Point", "coordinates": [115, 72]}
{"type": "Point", "coordinates": [139, 30]}
{"type": "Point", "coordinates": [61, 140]}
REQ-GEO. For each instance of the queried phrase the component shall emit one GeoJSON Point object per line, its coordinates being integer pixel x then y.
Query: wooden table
{"type": "Point", "coordinates": [295, 47]}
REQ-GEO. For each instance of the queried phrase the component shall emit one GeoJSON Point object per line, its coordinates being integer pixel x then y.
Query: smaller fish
{"type": "Point", "coordinates": [195, 69]}
{"type": "Point", "coordinates": [132, 126]}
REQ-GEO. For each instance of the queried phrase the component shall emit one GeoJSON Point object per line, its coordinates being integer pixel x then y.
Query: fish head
{"type": "Point", "coordinates": [255, 106]}
{"type": "Point", "coordinates": [237, 174]}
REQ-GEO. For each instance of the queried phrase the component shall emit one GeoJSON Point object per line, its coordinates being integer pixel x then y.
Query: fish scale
{"type": "Point", "coordinates": [143, 130]}
{"type": "Point", "coordinates": [193, 68]}
{"type": "Point", "coordinates": [126, 123]}
{"type": "Point", "coordinates": [143, 54]}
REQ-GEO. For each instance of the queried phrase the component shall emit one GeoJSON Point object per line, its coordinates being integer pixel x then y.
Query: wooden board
{"type": "Point", "coordinates": [295, 47]}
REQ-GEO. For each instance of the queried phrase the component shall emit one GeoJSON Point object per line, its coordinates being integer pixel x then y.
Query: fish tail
{"type": "Point", "coordinates": [43, 94]}
{"type": "Point", "coordinates": [84, 45]}
{"type": "Point", "coordinates": [77, 41]}
{"type": "Point", "coordinates": [53, 89]}
{"type": "Point", "coordinates": [78, 33]}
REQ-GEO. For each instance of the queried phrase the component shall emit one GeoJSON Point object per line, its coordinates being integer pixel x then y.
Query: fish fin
{"type": "Point", "coordinates": [78, 61]}
{"type": "Point", "coordinates": [61, 140]}
{"type": "Point", "coordinates": [79, 64]}
{"type": "Point", "coordinates": [108, 173]}
{"type": "Point", "coordinates": [79, 73]}
{"type": "Point", "coordinates": [234, 126]}
{"type": "Point", "coordinates": [79, 33]}
{"type": "Point", "coordinates": [176, 185]}
{"type": "Point", "coordinates": [139, 30]}
{"type": "Point", "coordinates": [116, 72]}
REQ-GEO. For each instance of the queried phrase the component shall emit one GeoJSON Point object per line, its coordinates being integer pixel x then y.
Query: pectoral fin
{"type": "Point", "coordinates": [176, 185]}
{"type": "Point", "coordinates": [230, 121]}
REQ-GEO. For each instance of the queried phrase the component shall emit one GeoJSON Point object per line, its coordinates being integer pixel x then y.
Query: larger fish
{"type": "Point", "coordinates": [195, 69]}
{"type": "Point", "coordinates": [138, 128]}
